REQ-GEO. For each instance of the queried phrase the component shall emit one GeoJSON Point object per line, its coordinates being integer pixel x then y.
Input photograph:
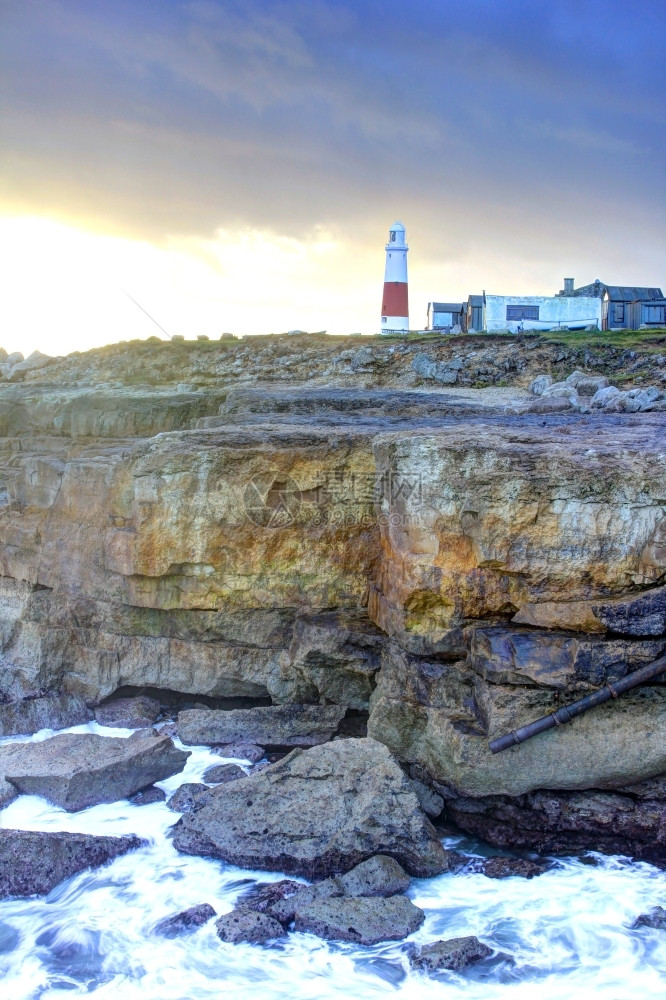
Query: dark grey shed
{"type": "Point", "coordinates": [627, 307]}
{"type": "Point", "coordinates": [474, 313]}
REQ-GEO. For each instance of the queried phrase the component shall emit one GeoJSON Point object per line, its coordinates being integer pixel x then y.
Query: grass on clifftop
{"type": "Point", "coordinates": [644, 340]}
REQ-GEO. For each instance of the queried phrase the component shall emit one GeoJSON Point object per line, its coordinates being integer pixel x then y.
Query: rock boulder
{"type": "Point", "coordinates": [32, 714]}
{"type": "Point", "coordinates": [378, 876]}
{"type": "Point", "coordinates": [34, 862]}
{"type": "Point", "coordinates": [77, 771]}
{"type": "Point", "coordinates": [189, 797]}
{"type": "Point", "coordinates": [219, 773]}
{"type": "Point", "coordinates": [603, 396]}
{"type": "Point", "coordinates": [148, 796]}
{"type": "Point", "coordinates": [655, 918]}
{"type": "Point", "coordinates": [591, 385]}
{"type": "Point", "coordinates": [364, 921]}
{"type": "Point", "coordinates": [128, 713]}
{"type": "Point", "coordinates": [315, 813]}
{"type": "Point", "coordinates": [455, 954]}
{"type": "Point", "coordinates": [273, 726]}
{"type": "Point", "coordinates": [185, 921]}
{"type": "Point", "coordinates": [248, 926]}
{"type": "Point", "coordinates": [499, 867]}
{"type": "Point", "coordinates": [539, 385]}
{"type": "Point", "coordinates": [242, 751]}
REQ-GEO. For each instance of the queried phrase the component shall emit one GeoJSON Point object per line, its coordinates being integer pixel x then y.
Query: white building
{"type": "Point", "coordinates": [540, 312]}
{"type": "Point", "coordinates": [444, 315]}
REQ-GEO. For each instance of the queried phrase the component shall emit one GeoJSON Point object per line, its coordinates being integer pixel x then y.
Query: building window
{"type": "Point", "coordinates": [618, 312]}
{"type": "Point", "coordinates": [655, 314]}
{"type": "Point", "coordinates": [522, 312]}
{"type": "Point", "coordinates": [392, 236]}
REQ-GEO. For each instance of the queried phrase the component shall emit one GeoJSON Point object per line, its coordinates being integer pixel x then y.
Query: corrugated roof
{"type": "Point", "coordinates": [446, 307]}
{"type": "Point", "coordinates": [630, 293]}
{"type": "Point", "coordinates": [475, 300]}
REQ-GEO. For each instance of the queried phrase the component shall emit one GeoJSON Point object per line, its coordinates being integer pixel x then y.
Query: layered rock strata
{"type": "Point", "coordinates": [631, 822]}
{"type": "Point", "coordinates": [279, 726]}
{"type": "Point", "coordinates": [443, 557]}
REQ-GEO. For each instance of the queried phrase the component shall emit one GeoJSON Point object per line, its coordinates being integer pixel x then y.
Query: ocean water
{"type": "Point", "coordinates": [565, 934]}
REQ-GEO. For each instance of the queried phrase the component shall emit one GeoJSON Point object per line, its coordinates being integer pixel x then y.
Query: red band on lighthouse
{"type": "Point", "coordinates": [395, 301]}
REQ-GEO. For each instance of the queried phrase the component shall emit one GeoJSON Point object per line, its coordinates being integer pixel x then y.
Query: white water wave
{"type": "Point", "coordinates": [561, 936]}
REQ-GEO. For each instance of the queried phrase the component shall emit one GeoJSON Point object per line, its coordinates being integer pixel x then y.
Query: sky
{"type": "Point", "coordinates": [235, 165]}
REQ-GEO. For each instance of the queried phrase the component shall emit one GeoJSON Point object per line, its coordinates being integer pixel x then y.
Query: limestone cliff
{"type": "Point", "coordinates": [299, 525]}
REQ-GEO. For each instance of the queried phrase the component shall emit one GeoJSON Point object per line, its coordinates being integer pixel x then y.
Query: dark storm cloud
{"type": "Point", "coordinates": [475, 119]}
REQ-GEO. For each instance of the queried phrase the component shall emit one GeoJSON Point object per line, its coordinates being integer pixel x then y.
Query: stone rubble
{"type": "Point", "coordinates": [578, 386]}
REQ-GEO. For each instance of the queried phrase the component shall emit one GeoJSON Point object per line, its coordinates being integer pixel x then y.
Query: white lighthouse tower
{"type": "Point", "coordinates": [395, 303]}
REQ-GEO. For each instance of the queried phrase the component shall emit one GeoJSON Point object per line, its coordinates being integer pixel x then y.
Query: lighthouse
{"type": "Point", "coordinates": [395, 307]}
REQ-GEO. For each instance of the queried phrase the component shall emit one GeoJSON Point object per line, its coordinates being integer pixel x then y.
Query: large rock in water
{"type": "Point", "coordinates": [378, 876]}
{"type": "Point", "coordinates": [32, 714]}
{"type": "Point", "coordinates": [455, 954]}
{"type": "Point", "coordinates": [76, 771]}
{"type": "Point", "coordinates": [35, 862]}
{"type": "Point", "coordinates": [130, 713]}
{"type": "Point", "coordinates": [316, 813]}
{"type": "Point", "coordinates": [248, 926]}
{"type": "Point", "coordinates": [185, 921]}
{"type": "Point", "coordinates": [273, 726]}
{"type": "Point", "coordinates": [655, 918]}
{"type": "Point", "coordinates": [365, 921]}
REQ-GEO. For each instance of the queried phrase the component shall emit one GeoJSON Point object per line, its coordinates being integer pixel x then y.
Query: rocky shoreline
{"type": "Point", "coordinates": [342, 813]}
{"type": "Point", "coordinates": [268, 565]}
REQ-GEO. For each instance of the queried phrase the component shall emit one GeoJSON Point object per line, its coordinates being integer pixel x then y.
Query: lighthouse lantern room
{"type": "Point", "coordinates": [395, 305]}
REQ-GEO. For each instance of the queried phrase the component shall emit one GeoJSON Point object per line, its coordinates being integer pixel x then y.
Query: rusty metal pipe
{"type": "Point", "coordinates": [568, 712]}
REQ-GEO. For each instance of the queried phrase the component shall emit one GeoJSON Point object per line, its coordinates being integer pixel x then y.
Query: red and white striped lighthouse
{"type": "Point", "coordinates": [395, 305]}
